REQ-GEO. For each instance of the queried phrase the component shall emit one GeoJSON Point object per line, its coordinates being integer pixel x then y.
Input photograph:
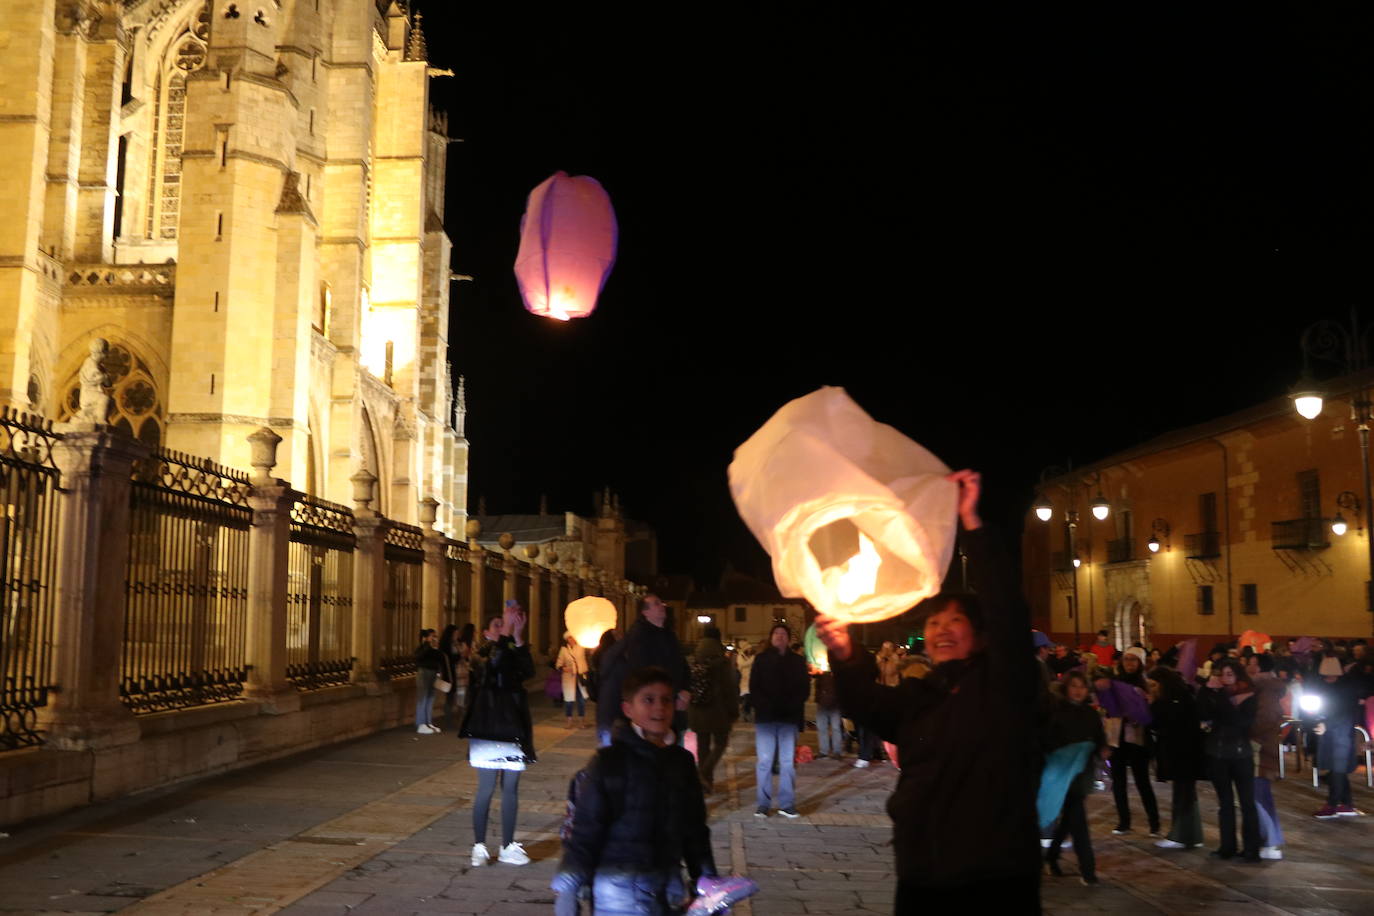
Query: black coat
{"type": "Point", "coordinates": [639, 809]}
{"type": "Point", "coordinates": [779, 686]}
{"type": "Point", "coordinates": [1178, 738]}
{"type": "Point", "coordinates": [969, 742]}
{"type": "Point", "coordinates": [1229, 738]}
{"type": "Point", "coordinates": [1071, 723]}
{"type": "Point", "coordinates": [645, 644]}
{"type": "Point", "coordinates": [502, 667]}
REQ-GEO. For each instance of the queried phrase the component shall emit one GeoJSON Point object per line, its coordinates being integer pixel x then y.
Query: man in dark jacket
{"type": "Point", "coordinates": [648, 643]}
{"type": "Point", "coordinates": [965, 830]}
{"type": "Point", "coordinates": [712, 714]}
{"type": "Point", "coordinates": [778, 684]}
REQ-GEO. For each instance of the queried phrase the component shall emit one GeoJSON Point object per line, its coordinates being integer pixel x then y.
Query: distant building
{"type": "Point", "coordinates": [1242, 510]}
{"type": "Point", "coordinates": [744, 608]}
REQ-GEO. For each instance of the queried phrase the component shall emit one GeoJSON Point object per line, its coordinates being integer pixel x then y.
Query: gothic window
{"type": "Point", "coordinates": [186, 55]}
{"type": "Point", "coordinates": [135, 406]}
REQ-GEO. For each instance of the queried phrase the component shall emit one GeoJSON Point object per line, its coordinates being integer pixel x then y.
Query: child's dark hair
{"type": "Point", "coordinates": [640, 678]}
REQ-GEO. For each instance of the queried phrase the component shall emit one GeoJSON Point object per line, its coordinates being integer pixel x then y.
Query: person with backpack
{"type": "Point", "coordinates": [779, 686]}
{"type": "Point", "coordinates": [637, 816]}
{"type": "Point", "coordinates": [714, 706]}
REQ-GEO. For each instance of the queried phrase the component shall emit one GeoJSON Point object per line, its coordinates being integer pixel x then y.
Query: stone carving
{"type": "Point", "coordinates": [95, 403]}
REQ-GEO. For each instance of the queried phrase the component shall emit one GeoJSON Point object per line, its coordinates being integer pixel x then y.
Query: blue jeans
{"type": "Point", "coordinates": [776, 741]}
{"type": "Point", "coordinates": [424, 695]}
{"type": "Point", "coordinates": [619, 894]}
{"type": "Point", "coordinates": [581, 705]}
{"type": "Point", "coordinates": [828, 730]}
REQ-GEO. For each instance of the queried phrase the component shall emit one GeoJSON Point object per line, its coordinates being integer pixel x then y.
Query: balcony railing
{"type": "Point", "coordinates": [1205, 545]}
{"type": "Point", "coordinates": [1302, 534]}
{"type": "Point", "coordinates": [1121, 550]}
{"type": "Point", "coordinates": [1061, 562]}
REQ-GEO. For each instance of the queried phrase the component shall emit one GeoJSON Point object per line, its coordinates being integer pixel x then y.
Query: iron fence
{"type": "Point", "coordinates": [405, 558]}
{"type": "Point", "coordinates": [185, 627]}
{"type": "Point", "coordinates": [458, 591]}
{"type": "Point", "coordinates": [28, 562]}
{"type": "Point", "coordinates": [319, 616]}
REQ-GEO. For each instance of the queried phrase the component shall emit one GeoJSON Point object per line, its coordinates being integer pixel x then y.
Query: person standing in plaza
{"type": "Point", "coordinates": [1270, 692]}
{"type": "Point", "coordinates": [829, 731]}
{"type": "Point", "coordinates": [499, 729]}
{"type": "Point", "coordinates": [1103, 650]}
{"type": "Point", "coordinates": [1124, 698]}
{"type": "Point", "coordinates": [572, 665]}
{"type": "Point", "coordinates": [746, 665]}
{"type": "Point", "coordinates": [1340, 697]}
{"type": "Point", "coordinates": [714, 704]}
{"type": "Point", "coordinates": [1227, 705]}
{"type": "Point", "coordinates": [429, 662]}
{"type": "Point", "coordinates": [649, 643]}
{"type": "Point", "coordinates": [456, 644]}
{"type": "Point", "coordinates": [779, 687]}
{"type": "Point", "coordinates": [1074, 720]}
{"type": "Point", "coordinates": [1178, 755]}
{"type": "Point", "coordinates": [965, 830]}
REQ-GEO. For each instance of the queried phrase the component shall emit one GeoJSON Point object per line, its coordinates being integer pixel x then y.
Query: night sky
{"type": "Point", "coordinates": [1020, 238]}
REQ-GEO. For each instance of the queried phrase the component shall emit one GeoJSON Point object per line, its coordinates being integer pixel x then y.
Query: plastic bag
{"type": "Point", "coordinates": [859, 519]}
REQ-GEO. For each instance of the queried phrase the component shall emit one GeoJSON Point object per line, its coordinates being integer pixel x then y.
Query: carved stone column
{"type": "Point", "coordinates": [536, 607]}
{"type": "Point", "coordinates": [269, 558]}
{"type": "Point", "coordinates": [369, 581]}
{"type": "Point", "coordinates": [507, 541]}
{"type": "Point", "coordinates": [89, 597]}
{"type": "Point", "coordinates": [432, 577]}
{"type": "Point", "coordinates": [556, 603]}
{"type": "Point", "coordinates": [477, 566]}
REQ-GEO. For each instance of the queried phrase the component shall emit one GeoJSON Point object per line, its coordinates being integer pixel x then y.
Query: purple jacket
{"type": "Point", "coordinates": [1125, 702]}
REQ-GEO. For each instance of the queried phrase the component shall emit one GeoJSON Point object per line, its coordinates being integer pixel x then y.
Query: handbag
{"type": "Point", "coordinates": [493, 715]}
{"type": "Point", "coordinates": [442, 685]}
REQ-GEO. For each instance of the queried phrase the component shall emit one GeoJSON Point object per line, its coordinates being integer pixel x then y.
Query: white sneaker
{"type": "Point", "coordinates": [1271, 852]}
{"type": "Point", "coordinates": [480, 856]}
{"type": "Point", "coordinates": [434, 729]}
{"type": "Point", "coordinates": [514, 854]}
{"type": "Point", "coordinates": [1170, 844]}
{"type": "Point", "coordinates": [860, 764]}
{"type": "Point", "coordinates": [425, 730]}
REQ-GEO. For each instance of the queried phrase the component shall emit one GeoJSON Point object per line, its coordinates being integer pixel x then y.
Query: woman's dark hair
{"type": "Point", "coordinates": [607, 640]}
{"type": "Point", "coordinates": [640, 678]}
{"type": "Point", "coordinates": [1076, 676]}
{"type": "Point", "coordinates": [446, 638]}
{"type": "Point", "coordinates": [1171, 683]}
{"type": "Point", "coordinates": [937, 604]}
{"type": "Point", "coordinates": [424, 634]}
{"type": "Point", "coordinates": [495, 618]}
{"type": "Point", "coordinates": [466, 634]}
{"type": "Point", "coordinates": [1237, 667]}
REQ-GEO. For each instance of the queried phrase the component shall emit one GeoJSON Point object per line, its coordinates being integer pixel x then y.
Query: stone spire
{"type": "Point", "coordinates": [460, 408]}
{"type": "Point", "coordinates": [415, 45]}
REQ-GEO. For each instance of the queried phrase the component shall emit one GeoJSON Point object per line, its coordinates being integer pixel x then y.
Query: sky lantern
{"type": "Point", "coordinates": [859, 519]}
{"type": "Point", "coordinates": [567, 246]}
{"type": "Point", "coordinates": [587, 618]}
{"type": "Point", "coordinates": [817, 656]}
{"type": "Point", "coordinates": [1256, 640]}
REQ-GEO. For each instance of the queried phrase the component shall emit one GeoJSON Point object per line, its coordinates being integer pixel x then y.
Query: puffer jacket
{"type": "Point", "coordinates": [716, 716]}
{"type": "Point", "coordinates": [638, 809]}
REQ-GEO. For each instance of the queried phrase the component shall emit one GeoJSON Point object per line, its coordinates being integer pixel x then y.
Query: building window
{"type": "Point", "coordinates": [741, 615]}
{"type": "Point", "coordinates": [163, 211]}
{"type": "Point", "coordinates": [1204, 600]}
{"type": "Point", "coordinates": [1249, 598]}
{"type": "Point", "coordinates": [1309, 494]}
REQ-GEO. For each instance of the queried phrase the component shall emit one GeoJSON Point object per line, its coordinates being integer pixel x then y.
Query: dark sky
{"type": "Point", "coordinates": [1016, 239]}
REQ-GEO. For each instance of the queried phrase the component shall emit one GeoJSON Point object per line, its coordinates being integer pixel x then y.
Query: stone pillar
{"type": "Point", "coordinates": [507, 541]}
{"type": "Point", "coordinates": [369, 581]}
{"type": "Point", "coordinates": [477, 566]}
{"type": "Point", "coordinates": [269, 558]}
{"type": "Point", "coordinates": [556, 603]}
{"type": "Point", "coordinates": [432, 578]}
{"type": "Point", "coordinates": [536, 608]}
{"type": "Point", "coordinates": [89, 595]}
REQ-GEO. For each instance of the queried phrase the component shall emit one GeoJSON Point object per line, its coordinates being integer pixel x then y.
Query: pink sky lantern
{"type": "Point", "coordinates": [567, 246]}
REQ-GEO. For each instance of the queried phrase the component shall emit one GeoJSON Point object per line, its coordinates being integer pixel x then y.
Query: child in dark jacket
{"type": "Point", "coordinates": [639, 812]}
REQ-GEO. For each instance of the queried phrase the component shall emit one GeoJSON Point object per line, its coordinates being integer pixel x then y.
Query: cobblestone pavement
{"type": "Point", "coordinates": [383, 825]}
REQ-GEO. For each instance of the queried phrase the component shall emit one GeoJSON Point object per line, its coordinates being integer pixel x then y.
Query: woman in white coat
{"type": "Point", "coordinates": [572, 662]}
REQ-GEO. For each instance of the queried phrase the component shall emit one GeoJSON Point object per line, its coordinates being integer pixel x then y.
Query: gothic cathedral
{"type": "Point", "coordinates": [245, 198]}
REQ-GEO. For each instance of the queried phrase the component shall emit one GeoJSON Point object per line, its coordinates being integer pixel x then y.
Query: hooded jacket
{"type": "Point", "coordinates": [502, 667]}
{"type": "Point", "coordinates": [968, 739]}
{"type": "Point", "coordinates": [639, 809]}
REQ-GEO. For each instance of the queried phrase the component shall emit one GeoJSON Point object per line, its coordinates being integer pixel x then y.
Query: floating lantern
{"type": "Point", "coordinates": [816, 653]}
{"type": "Point", "coordinates": [858, 519]}
{"type": "Point", "coordinates": [1260, 642]}
{"type": "Point", "coordinates": [587, 618]}
{"type": "Point", "coordinates": [567, 246]}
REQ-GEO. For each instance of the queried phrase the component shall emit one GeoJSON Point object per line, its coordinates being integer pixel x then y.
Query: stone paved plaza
{"type": "Point", "coordinates": [383, 825]}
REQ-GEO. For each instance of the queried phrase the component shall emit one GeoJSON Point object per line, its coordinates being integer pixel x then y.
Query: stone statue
{"type": "Point", "coordinates": [95, 403]}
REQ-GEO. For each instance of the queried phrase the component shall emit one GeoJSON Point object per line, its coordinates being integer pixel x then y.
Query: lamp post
{"type": "Point", "coordinates": [1044, 510]}
{"type": "Point", "coordinates": [1347, 347]}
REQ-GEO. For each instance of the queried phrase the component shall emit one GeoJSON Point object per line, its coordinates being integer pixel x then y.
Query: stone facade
{"type": "Point", "coordinates": [246, 200]}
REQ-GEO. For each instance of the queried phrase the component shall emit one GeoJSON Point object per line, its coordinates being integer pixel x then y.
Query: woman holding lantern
{"type": "Point", "coordinates": [964, 820]}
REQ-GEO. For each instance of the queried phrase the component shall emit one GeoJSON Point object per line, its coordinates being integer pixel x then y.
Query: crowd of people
{"type": "Point", "coordinates": [998, 734]}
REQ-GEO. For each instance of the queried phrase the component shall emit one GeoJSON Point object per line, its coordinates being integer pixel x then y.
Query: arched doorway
{"type": "Point", "coordinates": [1129, 625]}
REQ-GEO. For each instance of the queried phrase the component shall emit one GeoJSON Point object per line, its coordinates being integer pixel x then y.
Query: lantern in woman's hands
{"type": "Point", "coordinates": [587, 618]}
{"type": "Point", "coordinates": [817, 656]}
{"type": "Point", "coordinates": [858, 519]}
{"type": "Point", "coordinates": [567, 246]}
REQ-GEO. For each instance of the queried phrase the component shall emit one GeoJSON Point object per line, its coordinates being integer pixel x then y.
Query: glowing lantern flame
{"type": "Point", "coordinates": [567, 247]}
{"type": "Point", "coordinates": [860, 576]}
{"type": "Point", "coordinates": [587, 618]}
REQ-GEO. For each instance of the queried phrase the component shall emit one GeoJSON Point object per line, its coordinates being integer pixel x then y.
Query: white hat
{"type": "Point", "coordinates": [1137, 652]}
{"type": "Point", "coordinates": [1331, 667]}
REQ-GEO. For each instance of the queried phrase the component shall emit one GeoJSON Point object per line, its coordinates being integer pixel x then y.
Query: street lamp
{"type": "Point", "coordinates": [703, 619]}
{"type": "Point", "coordinates": [1347, 347]}
{"type": "Point", "coordinates": [1044, 510]}
{"type": "Point", "coordinates": [1159, 527]}
{"type": "Point", "coordinates": [1349, 501]}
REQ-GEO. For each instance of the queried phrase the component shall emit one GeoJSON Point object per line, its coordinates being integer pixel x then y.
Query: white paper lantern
{"type": "Point", "coordinates": [859, 519]}
{"type": "Point", "coordinates": [587, 618]}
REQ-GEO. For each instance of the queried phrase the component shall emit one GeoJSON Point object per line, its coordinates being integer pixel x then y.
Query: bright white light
{"type": "Point", "coordinates": [1309, 405]}
{"type": "Point", "coordinates": [703, 618]}
{"type": "Point", "coordinates": [1153, 544]}
{"type": "Point", "coordinates": [860, 578]}
{"type": "Point", "coordinates": [1101, 511]}
{"type": "Point", "coordinates": [1077, 562]}
{"type": "Point", "coordinates": [1339, 527]}
{"type": "Point", "coordinates": [1311, 702]}
{"type": "Point", "coordinates": [1044, 513]}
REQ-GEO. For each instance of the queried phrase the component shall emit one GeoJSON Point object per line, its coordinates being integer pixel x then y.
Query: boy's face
{"type": "Point", "coordinates": [651, 708]}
